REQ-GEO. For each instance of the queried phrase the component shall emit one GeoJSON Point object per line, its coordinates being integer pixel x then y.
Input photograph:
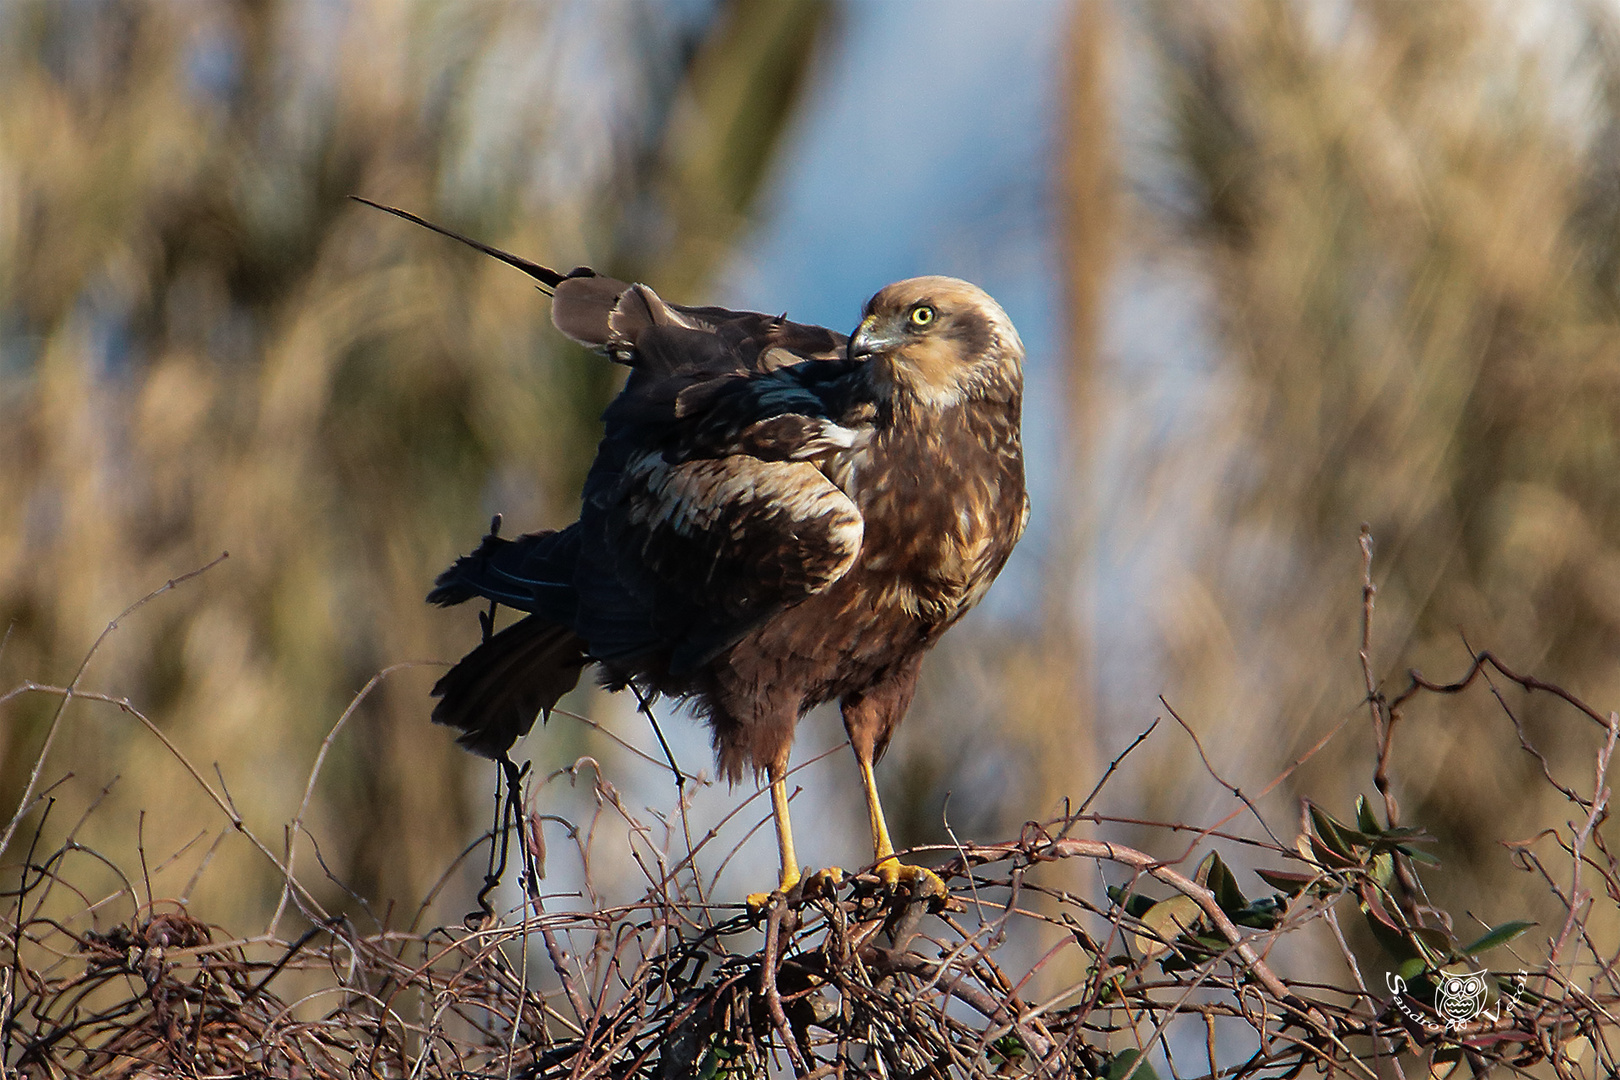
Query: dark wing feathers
{"type": "Point", "coordinates": [794, 413]}
{"type": "Point", "coordinates": [637, 327]}
{"type": "Point", "coordinates": [704, 512]}
{"type": "Point", "coordinates": [581, 307]}
{"type": "Point", "coordinates": [713, 545]}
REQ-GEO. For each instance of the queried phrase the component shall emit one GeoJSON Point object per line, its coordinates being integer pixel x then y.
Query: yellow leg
{"type": "Point", "coordinates": [925, 883]}
{"type": "Point", "coordinates": [882, 846]}
{"type": "Point", "coordinates": [784, 831]}
{"type": "Point", "coordinates": [784, 839]}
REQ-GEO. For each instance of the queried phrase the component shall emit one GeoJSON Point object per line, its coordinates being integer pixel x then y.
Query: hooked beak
{"type": "Point", "coordinates": [873, 336]}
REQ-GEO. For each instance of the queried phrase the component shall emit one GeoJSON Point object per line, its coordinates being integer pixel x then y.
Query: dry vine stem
{"type": "Point", "coordinates": [666, 983]}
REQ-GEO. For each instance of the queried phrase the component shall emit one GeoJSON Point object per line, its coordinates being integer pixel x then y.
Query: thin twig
{"type": "Point", "coordinates": [1383, 714]}
{"type": "Point", "coordinates": [72, 687]}
{"type": "Point", "coordinates": [1578, 896]}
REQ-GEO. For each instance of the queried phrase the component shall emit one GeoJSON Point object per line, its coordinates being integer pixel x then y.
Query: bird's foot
{"type": "Point", "coordinates": [759, 902]}
{"type": "Point", "coordinates": [794, 888]}
{"type": "Point", "coordinates": [822, 882]}
{"type": "Point", "coordinates": [922, 882]}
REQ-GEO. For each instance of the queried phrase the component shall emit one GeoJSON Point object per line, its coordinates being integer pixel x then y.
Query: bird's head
{"type": "Point", "coordinates": [941, 341]}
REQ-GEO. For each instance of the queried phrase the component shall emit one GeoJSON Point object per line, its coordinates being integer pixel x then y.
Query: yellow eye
{"type": "Point", "coordinates": [922, 315]}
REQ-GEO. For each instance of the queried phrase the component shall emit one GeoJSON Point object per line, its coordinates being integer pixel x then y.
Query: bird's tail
{"type": "Point", "coordinates": [533, 573]}
{"type": "Point", "coordinates": [495, 692]}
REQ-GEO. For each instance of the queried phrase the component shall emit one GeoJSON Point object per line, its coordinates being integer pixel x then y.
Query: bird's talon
{"type": "Point", "coordinates": [923, 882]}
{"type": "Point", "coordinates": [760, 902]}
{"type": "Point", "coordinates": [797, 889]}
{"type": "Point", "coordinates": [823, 882]}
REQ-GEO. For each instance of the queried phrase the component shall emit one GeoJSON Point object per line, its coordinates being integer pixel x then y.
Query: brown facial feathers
{"type": "Point", "coordinates": [940, 340]}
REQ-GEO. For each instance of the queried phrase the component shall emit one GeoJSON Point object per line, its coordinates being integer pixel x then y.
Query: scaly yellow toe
{"type": "Point", "coordinates": [823, 882]}
{"type": "Point", "coordinates": [796, 886]}
{"type": "Point", "coordinates": [924, 883]}
{"type": "Point", "coordinates": [759, 901]}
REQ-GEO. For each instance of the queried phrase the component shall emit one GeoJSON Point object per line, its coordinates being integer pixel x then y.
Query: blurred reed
{"type": "Point", "coordinates": [205, 347]}
{"type": "Point", "coordinates": [1407, 216]}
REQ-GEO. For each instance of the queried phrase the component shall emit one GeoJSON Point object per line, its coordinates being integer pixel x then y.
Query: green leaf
{"type": "Point", "coordinates": [1372, 904]}
{"type": "Point", "coordinates": [1383, 869]}
{"type": "Point", "coordinates": [1112, 989]}
{"type": "Point", "coordinates": [1438, 942]}
{"type": "Point", "coordinates": [1349, 836]}
{"type": "Point", "coordinates": [1008, 1050]}
{"type": "Point", "coordinates": [1109, 978]}
{"type": "Point", "coordinates": [1214, 875]}
{"type": "Point", "coordinates": [1330, 858]}
{"type": "Point", "coordinates": [1411, 969]}
{"type": "Point", "coordinates": [1391, 936]}
{"type": "Point", "coordinates": [1135, 904]}
{"type": "Point", "coordinates": [1417, 856]}
{"type": "Point", "coordinates": [1126, 1060]}
{"type": "Point", "coordinates": [1332, 834]}
{"type": "Point", "coordinates": [1364, 817]}
{"type": "Point", "coordinates": [1498, 935]}
{"type": "Point", "coordinates": [716, 1061]}
{"type": "Point", "coordinates": [1165, 922]}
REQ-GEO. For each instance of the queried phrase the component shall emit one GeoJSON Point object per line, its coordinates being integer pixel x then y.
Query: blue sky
{"type": "Point", "coordinates": [922, 148]}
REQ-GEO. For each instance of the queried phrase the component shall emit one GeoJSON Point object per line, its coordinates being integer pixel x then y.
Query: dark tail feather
{"type": "Point", "coordinates": [461, 581]}
{"type": "Point", "coordinates": [494, 694]}
{"type": "Point", "coordinates": [533, 573]}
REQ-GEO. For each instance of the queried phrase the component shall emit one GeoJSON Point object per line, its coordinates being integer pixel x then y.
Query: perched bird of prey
{"type": "Point", "coordinates": [778, 516]}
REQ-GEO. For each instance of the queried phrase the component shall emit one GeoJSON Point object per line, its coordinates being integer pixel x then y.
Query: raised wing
{"type": "Point", "coordinates": [709, 507]}
{"type": "Point", "coordinates": [635, 326]}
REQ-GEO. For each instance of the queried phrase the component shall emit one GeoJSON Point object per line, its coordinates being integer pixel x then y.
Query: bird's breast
{"type": "Point", "coordinates": [943, 507]}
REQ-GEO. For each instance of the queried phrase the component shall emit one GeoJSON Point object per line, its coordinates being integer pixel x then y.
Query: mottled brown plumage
{"type": "Point", "coordinates": [777, 517]}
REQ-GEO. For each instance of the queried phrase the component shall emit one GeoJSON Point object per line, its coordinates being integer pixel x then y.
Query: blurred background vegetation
{"type": "Point", "coordinates": [1287, 267]}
